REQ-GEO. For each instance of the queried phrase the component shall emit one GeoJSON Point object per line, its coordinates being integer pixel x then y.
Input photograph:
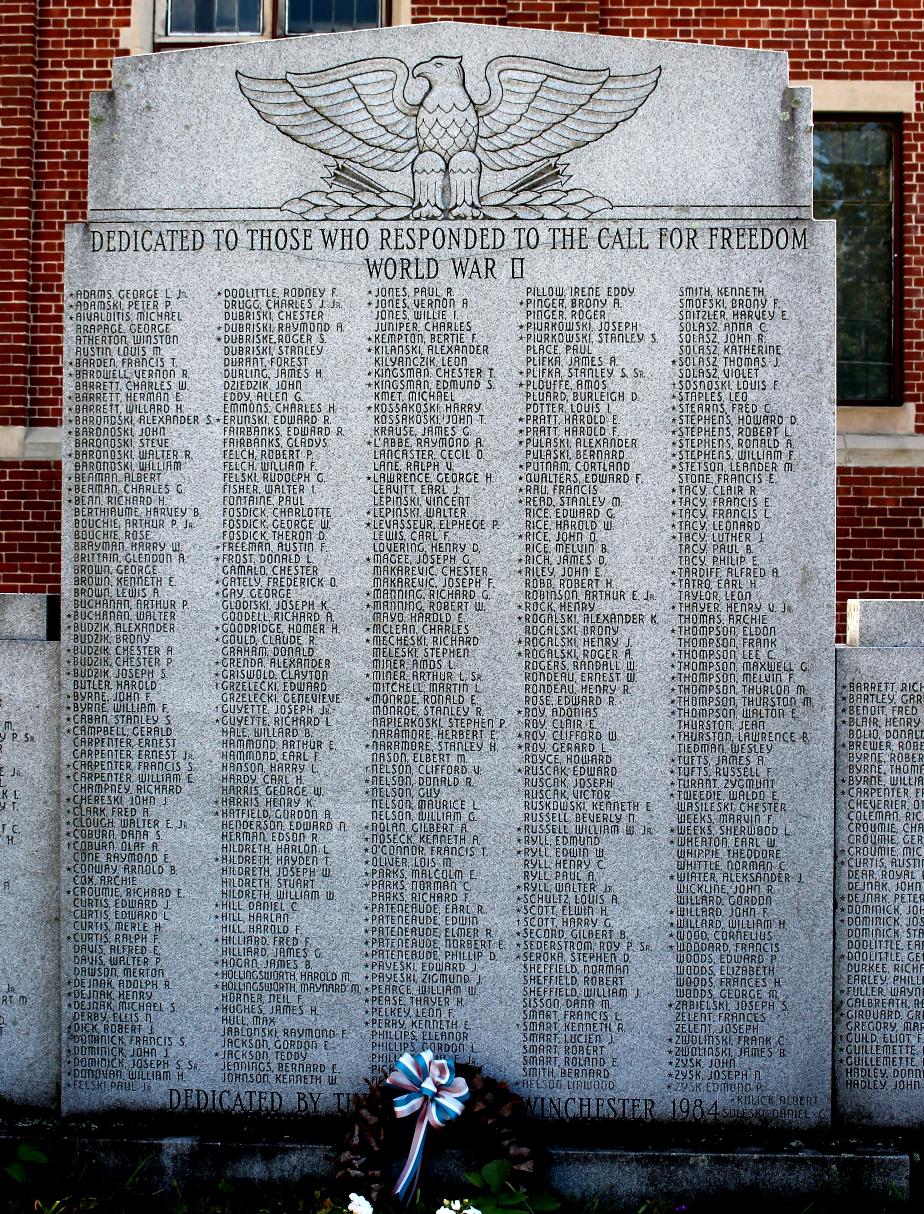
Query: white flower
{"type": "Point", "coordinates": [470, 1209]}
{"type": "Point", "coordinates": [359, 1205]}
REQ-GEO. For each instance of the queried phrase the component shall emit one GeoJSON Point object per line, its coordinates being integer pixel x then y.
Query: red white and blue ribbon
{"type": "Point", "coordinates": [430, 1088]}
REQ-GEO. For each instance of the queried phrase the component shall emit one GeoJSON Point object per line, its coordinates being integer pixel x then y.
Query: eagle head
{"type": "Point", "coordinates": [442, 69]}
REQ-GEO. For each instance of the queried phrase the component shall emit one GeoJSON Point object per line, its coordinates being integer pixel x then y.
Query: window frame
{"type": "Point", "coordinates": [273, 26]}
{"type": "Point", "coordinates": [163, 40]}
{"type": "Point", "coordinates": [896, 122]}
{"type": "Point", "coordinates": [280, 19]}
{"type": "Point", "coordinates": [233, 34]}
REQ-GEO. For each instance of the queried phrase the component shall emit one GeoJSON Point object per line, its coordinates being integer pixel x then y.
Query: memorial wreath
{"type": "Point", "coordinates": [495, 1125]}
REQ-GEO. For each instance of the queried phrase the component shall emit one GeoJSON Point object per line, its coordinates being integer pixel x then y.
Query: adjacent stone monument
{"type": "Point", "coordinates": [29, 1008]}
{"type": "Point", "coordinates": [449, 593]}
{"type": "Point", "coordinates": [879, 993]}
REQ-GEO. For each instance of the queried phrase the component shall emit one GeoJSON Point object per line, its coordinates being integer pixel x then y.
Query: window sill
{"type": "Point", "coordinates": [880, 450]}
{"type": "Point", "coordinates": [166, 42]}
{"type": "Point", "coordinates": [35, 442]}
{"type": "Point", "coordinates": [875, 419]}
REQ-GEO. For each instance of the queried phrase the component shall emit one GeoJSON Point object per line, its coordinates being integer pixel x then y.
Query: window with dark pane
{"type": "Point", "coordinates": [329, 16]}
{"type": "Point", "coordinates": [215, 17]}
{"type": "Point", "coordinates": [855, 186]}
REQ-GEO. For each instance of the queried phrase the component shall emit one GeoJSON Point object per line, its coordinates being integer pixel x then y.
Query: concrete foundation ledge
{"type": "Point", "coordinates": [841, 1176]}
{"type": "Point", "coordinates": [628, 1178]}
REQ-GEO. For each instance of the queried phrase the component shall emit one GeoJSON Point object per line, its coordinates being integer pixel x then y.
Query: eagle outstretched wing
{"type": "Point", "coordinates": [355, 111]}
{"type": "Point", "coordinates": [537, 109]}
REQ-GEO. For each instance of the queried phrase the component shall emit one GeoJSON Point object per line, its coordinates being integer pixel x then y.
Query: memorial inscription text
{"type": "Point", "coordinates": [441, 666]}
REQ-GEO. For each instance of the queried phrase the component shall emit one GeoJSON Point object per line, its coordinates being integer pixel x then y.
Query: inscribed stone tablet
{"type": "Point", "coordinates": [28, 871]}
{"type": "Point", "coordinates": [450, 580]}
{"type": "Point", "coordinates": [879, 932]}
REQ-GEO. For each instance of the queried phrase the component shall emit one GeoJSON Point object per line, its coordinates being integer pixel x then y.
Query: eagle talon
{"type": "Point", "coordinates": [426, 212]}
{"type": "Point", "coordinates": [465, 211]}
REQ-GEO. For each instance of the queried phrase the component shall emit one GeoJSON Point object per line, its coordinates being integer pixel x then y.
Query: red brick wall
{"type": "Point", "coordinates": [577, 16]}
{"type": "Point", "coordinates": [30, 526]}
{"type": "Point", "coordinates": [880, 535]}
{"type": "Point", "coordinates": [76, 45]}
{"type": "Point", "coordinates": [54, 54]}
{"type": "Point", "coordinates": [17, 115]}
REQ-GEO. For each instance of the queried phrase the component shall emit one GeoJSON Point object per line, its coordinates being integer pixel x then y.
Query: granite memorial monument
{"type": "Point", "coordinates": [448, 609]}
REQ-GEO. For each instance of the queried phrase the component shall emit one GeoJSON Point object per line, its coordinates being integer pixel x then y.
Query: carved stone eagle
{"type": "Point", "coordinates": [360, 113]}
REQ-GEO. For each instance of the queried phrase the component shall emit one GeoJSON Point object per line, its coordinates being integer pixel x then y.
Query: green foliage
{"type": "Point", "coordinates": [497, 1195]}
{"type": "Point", "coordinates": [25, 1153]}
{"type": "Point", "coordinates": [32, 1175]}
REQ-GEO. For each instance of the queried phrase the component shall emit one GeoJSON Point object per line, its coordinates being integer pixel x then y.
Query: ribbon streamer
{"type": "Point", "coordinates": [430, 1088]}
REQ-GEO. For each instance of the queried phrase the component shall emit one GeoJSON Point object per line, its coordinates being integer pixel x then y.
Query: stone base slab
{"type": "Point", "coordinates": [872, 1177]}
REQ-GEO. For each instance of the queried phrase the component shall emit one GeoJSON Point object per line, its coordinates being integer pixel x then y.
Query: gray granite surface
{"type": "Point", "coordinates": [205, 150]}
{"type": "Point", "coordinates": [879, 933]}
{"type": "Point", "coordinates": [22, 617]}
{"type": "Point", "coordinates": [448, 600]}
{"type": "Point", "coordinates": [29, 1010]}
{"type": "Point", "coordinates": [885, 622]}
